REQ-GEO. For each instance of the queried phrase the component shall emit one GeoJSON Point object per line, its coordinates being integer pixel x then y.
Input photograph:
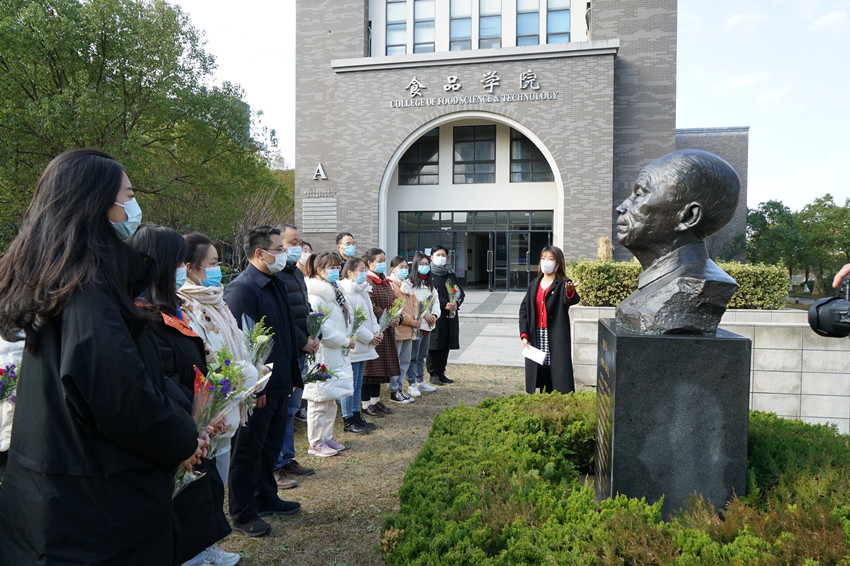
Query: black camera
{"type": "Point", "coordinates": [831, 316]}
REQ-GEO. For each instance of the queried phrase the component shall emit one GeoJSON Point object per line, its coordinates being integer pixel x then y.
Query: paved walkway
{"type": "Point", "coordinates": [489, 330]}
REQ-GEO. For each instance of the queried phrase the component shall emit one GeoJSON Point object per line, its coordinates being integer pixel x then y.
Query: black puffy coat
{"type": "Point", "coordinates": [558, 329]}
{"type": "Point", "coordinates": [96, 441]}
{"type": "Point", "coordinates": [199, 507]}
{"type": "Point", "coordinates": [299, 306]}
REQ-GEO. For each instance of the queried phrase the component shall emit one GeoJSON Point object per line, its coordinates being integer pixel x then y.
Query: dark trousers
{"type": "Point", "coordinates": [436, 362]}
{"type": "Point", "coordinates": [370, 390]}
{"type": "Point", "coordinates": [544, 379]}
{"type": "Point", "coordinates": [255, 451]}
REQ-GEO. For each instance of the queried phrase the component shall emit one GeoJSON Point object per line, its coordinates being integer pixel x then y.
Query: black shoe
{"type": "Point", "coordinates": [446, 380]}
{"type": "Point", "coordinates": [280, 508]}
{"type": "Point", "coordinates": [301, 415]}
{"type": "Point", "coordinates": [255, 528]}
{"type": "Point", "coordinates": [363, 422]}
{"type": "Point", "coordinates": [351, 425]}
{"type": "Point", "coordinates": [435, 380]}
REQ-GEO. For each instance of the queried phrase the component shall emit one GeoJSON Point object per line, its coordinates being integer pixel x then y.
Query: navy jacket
{"type": "Point", "coordinates": [255, 294]}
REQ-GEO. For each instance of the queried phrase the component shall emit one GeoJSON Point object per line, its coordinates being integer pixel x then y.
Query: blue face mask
{"type": "Point", "coordinates": [134, 217]}
{"type": "Point", "coordinates": [333, 275]}
{"type": "Point", "coordinates": [402, 273]}
{"type": "Point", "coordinates": [213, 277]}
{"type": "Point", "coordinates": [424, 269]}
{"type": "Point", "coordinates": [350, 250]}
{"type": "Point", "coordinates": [380, 267]}
{"type": "Point", "coordinates": [293, 254]}
{"type": "Point", "coordinates": [361, 277]}
{"type": "Point", "coordinates": [180, 277]}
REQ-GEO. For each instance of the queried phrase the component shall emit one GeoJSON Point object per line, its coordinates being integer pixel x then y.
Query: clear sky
{"type": "Point", "coordinates": [781, 67]}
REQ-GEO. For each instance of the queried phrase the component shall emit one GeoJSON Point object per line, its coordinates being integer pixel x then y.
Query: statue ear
{"type": "Point", "coordinates": [689, 217]}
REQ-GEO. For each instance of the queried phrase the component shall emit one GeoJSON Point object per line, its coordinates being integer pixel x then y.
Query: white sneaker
{"type": "Point", "coordinates": [425, 386]}
{"type": "Point", "coordinates": [217, 557]}
{"type": "Point", "coordinates": [413, 390]}
{"type": "Point", "coordinates": [321, 450]}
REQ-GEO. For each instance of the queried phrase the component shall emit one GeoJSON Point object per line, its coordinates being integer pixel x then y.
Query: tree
{"type": "Point", "coordinates": [131, 78]}
{"type": "Point", "coordinates": [825, 228]}
{"type": "Point", "coordinates": [773, 236]}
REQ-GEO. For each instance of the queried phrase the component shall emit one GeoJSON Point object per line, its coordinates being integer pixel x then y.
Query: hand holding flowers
{"type": "Point", "coordinates": [454, 293]}
{"type": "Point", "coordinates": [423, 308]}
{"type": "Point", "coordinates": [360, 317]}
{"type": "Point", "coordinates": [391, 314]}
{"type": "Point", "coordinates": [315, 320]}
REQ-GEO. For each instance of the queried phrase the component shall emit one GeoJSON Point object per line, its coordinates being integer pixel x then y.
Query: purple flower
{"type": "Point", "coordinates": [227, 363]}
{"type": "Point", "coordinates": [225, 387]}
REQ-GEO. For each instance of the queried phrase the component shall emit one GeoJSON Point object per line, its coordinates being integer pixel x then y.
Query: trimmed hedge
{"type": "Point", "coordinates": [606, 283]}
{"type": "Point", "coordinates": [501, 484]}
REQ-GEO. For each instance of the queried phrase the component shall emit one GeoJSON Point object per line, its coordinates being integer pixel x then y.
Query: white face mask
{"type": "Point", "coordinates": [304, 257]}
{"type": "Point", "coordinates": [279, 262]}
{"type": "Point", "coordinates": [128, 227]}
{"type": "Point", "coordinates": [547, 265]}
{"type": "Point", "coordinates": [439, 260]}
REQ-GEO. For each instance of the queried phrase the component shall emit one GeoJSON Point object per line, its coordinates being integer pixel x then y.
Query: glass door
{"type": "Point", "coordinates": [519, 260]}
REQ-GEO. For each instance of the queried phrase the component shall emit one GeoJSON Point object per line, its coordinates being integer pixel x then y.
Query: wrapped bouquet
{"type": "Point", "coordinates": [422, 309]}
{"type": "Point", "coordinates": [8, 382]}
{"type": "Point", "coordinates": [454, 293]}
{"type": "Point", "coordinates": [390, 314]}
{"type": "Point", "coordinates": [258, 339]}
{"type": "Point", "coordinates": [315, 320]}
{"type": "Point", "coordinates": [319, 372]}
{"type": "Point", "coordinates": [360, 317]}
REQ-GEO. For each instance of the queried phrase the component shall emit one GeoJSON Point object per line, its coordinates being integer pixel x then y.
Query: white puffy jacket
{"type": "Point", "coordinates": [358, 296]}
{"type": "Point", "coordinates": [335, 337]}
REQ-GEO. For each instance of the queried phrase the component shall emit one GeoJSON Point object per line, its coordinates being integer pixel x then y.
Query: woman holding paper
{"type": "Point", "coordinates": [544, 319]}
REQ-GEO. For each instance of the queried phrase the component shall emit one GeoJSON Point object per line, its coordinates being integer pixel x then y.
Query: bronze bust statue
{"type": "Point", "coordinates": [677, 201]}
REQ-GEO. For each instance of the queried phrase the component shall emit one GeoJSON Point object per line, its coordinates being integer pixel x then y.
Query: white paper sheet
{"type": "Point", "coordinates": [533, 354]}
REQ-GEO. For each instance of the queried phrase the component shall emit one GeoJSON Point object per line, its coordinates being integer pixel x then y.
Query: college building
{"type": "Point", "coordinates": [492, 127]}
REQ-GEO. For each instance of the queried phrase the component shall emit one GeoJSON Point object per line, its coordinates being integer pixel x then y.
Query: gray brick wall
{"type": "Point", "coordinates": [731, 144]}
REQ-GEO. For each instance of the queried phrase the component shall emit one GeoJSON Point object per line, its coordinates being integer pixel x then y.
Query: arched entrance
{"type": "Point", "coordinates": [481, 184]}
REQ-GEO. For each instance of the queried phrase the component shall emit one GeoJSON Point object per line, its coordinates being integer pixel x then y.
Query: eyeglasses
{"type": "Point", "coordinates": [274, 251]}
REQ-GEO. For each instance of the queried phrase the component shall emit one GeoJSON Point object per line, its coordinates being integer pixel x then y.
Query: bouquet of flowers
{"type": "Point", "coordinates": [315, 320]}
{"type": "Point", "coordinates": [423, 308]}
{"type": "Point", "coordinates": [215, 394]}
{"type": "Point", "coordinates": [319, 373]}
{"type": "Point", "coordinates": [359, 318]}
{"type": "Point", "coordinates": [258, 339]}
{"type": "Point", "coordinates": [390, 314]}
{"type": "Point", "coordinates": [9, 382]}
{"type": "Point", "coordinates": [454, 293]}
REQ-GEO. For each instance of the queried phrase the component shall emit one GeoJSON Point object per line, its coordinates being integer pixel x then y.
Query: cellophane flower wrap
{"type": "Point", "coordinates": [360, 317]}
{"type": "Point", "coordinates": [258, 339]}
{"type": "Point", "coordinates": [315, 319]}
{"type": "Point", "coordinates": [390, 314]}
{"type": "Point", "coordinates": [9, 382]}
{"type": "Point", "coordinates": [422, 309]}
{"type": "Point", "coordinates": [319, 373]}
{"type": "Point", "coordinates": [215, 395]}
{"type": "Point", "coordinates": [454, 293]}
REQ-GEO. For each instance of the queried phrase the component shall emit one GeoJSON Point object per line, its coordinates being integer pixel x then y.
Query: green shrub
{"type": "Point", "coordinates": [606, 283]}
{"type": "Point", "coordinates": [501, 484]}
{"type": "Point", "coordinates": [760, 286]}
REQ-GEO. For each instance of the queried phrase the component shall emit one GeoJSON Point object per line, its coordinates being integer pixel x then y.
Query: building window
{"type": "Point", "coordinates": [474, 154]}
{"type": "Point", "coordinates": [527, 163]}
{"type": "Point", "coordinates": [420, 164]}
{"type": "Point", "coordinates": [489, 24]}
{"type": "Point", "coordinates": [423, 26]}
{"type": "Point", "coordinates": [558, 21]}
{"type": "Point", "coordinates": [527, 22]}
{"type": "Point", "coordinates": [460, 26]}
{"type": "Point", "coordinates": [396, 27]}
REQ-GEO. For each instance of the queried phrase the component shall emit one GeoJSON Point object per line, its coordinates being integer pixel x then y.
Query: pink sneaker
{"type": "Point", "coordinates": [321, 450]}
{"type": "Point", "coordinates": [334, 444]}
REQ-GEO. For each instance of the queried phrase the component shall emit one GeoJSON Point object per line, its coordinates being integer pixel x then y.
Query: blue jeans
{"type": "Point", "coordinates": [418, 353]}
{"type": "Point", "coordinates": [287, 453]}
{"type": "Point", "coordinates": [352, 402]}
{"type": "Point", "coordinates": [403, 348]}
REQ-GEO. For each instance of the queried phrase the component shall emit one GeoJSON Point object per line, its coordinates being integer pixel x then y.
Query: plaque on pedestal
{"type": "Point", "coordinates": [672, 415]}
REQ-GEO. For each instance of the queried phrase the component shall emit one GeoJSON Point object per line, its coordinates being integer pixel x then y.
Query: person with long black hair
{"type": "Point", "coordinates": [97, 435]}
{"type": "Point", "coordinates": [423, 288]}
{"type": "Point", "coordinates": [199, 507]}
{"type": "Point", "coordinates": [544, 319]}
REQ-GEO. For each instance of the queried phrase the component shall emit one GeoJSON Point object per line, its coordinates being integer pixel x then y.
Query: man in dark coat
{"type": "Point", "coordinates": [256, 447]}
{"type": "Point", "coordinates": [117, 438]}
{"type": "Point", "coordinates": [446, 333]}
{"type": "Point", "coordinates": [300, 307]}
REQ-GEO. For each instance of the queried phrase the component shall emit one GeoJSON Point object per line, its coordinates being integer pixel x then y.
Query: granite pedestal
{"type": "Point", "coordinates": [672, 415]}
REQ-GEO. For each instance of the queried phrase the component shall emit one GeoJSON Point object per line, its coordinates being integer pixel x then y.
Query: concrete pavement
{"type": "Point", "coordinates": [489, 330]}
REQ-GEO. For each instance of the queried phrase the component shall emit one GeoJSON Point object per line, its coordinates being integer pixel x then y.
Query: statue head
{"type": "Point", "coordinates": [682, 197]}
